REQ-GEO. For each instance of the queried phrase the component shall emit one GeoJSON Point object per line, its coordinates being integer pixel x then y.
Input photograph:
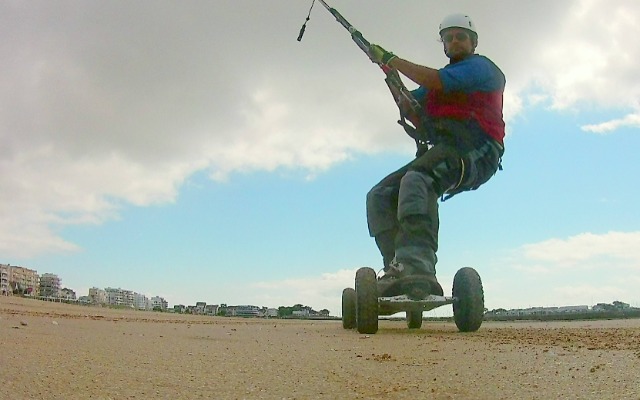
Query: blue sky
{"type": "Point", "coordinates": [206, 161]}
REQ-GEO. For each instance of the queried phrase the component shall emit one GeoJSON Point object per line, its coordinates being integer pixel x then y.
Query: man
{"type": "Point", "coordinates": [463, 108]}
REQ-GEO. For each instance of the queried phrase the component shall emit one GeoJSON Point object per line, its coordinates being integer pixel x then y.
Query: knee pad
{"type": "Point", "coordinates": [417, 194]}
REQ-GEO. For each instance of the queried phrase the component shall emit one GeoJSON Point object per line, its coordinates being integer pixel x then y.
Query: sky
{"type": "Point", "coordinates": [196, 151]}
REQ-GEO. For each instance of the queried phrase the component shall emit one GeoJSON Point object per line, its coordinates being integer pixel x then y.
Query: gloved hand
{"type": "Point", "coordinates": [379, 55]}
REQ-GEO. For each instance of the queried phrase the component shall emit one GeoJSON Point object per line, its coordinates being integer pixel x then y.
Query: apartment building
{"type": "Point", "coordinates": [67, 294]}
{"type": "Point", "coordinates": [159, 303]}
{"type": "Point", "coordinates": [50, 286]}
{"type": "Point", "coordinates": [120, 297]}
{"type": "Point", "coordinates": [114, 296]}
{"type": "Point", "coordinates": [14, 279]}
{"type": "Point", "coordinates": [97, 296]}
{"type": "Point", "coordinates": [243, 311]}
{"type": "Point", "coordinates": [129, 298]}
{"type": "Point", "coordinates": [142, 302]}
{"type": "Point", "coordinates": [200, 307]}
{"type": "Point", "coordinates": [211, 309]}
{"type": "Point", "coordinates": [4, 280]}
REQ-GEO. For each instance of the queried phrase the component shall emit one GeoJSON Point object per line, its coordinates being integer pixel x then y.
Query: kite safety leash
{"type": "Point", "coordinates": [304, 26]}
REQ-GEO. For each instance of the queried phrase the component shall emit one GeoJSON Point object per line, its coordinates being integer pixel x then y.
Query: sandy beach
{"type": "Point", "coordinates": [60, 351]}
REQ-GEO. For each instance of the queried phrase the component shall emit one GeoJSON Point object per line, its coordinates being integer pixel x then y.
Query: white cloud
{"type": "Point", "coordinates": [574, 58]}
{"type": "Point", "coordinates": [582, 269]}
{"type": "Point", "coordinates": [631, 120]}
{"type": "Point", "coordinates": [619, 250]}
{"type": "Point", "coordinates": [588, 59]}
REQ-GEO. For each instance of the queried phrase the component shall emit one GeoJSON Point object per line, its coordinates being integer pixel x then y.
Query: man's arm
{"type": "Point", "coordinates": [423, 76]}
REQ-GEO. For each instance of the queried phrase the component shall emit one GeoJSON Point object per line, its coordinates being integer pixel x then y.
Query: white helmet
{"type": "Point", "coordinates": [457, 21]}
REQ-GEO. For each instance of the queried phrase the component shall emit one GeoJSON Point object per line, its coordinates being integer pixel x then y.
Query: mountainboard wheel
{"type": "Point", "coordinates": [468, 310]}
{"type": "Point", "coordinates": [414, 319]}
{"type": "Point", "coordinates": [348, 308]}
{"type": "Point", "coordinates": [366, 301]}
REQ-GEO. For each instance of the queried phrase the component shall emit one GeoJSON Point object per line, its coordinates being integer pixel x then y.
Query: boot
{"type": "Point", "coordinates": [400, 279]}
{"type": "Point", "coordinates": [387, 283]}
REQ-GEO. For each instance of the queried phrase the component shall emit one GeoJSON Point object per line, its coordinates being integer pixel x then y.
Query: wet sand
{"type": "Point", "coordinates": [60, 351]}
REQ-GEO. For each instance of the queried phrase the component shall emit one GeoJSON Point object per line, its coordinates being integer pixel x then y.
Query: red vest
{"type": "Point", "coordinates": [484, 107]}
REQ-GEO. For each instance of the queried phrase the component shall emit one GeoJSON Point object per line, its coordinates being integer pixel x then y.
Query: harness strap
{"type": "Point", "coordinates": [473, 156]}
{"type": "Point", "coordinates": [461, 175]}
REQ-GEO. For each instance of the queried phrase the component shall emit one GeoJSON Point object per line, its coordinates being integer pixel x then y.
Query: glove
{"type": "Point", "coordinates": [379, 55]}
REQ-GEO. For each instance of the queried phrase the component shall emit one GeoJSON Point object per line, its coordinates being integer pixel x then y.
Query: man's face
{"type": "Point", "coordinates": [457, 43]}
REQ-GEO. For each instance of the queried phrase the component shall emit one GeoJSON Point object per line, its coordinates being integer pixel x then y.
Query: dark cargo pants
{"type": "Point", "coordinates": [402, 210]}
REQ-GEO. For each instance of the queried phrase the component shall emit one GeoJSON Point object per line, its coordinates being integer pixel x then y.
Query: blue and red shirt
{"type": "Point", "coordinates": [472, 89]}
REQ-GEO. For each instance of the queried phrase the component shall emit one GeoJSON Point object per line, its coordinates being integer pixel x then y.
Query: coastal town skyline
{"type": "Point", "coordinates": [119, 297]}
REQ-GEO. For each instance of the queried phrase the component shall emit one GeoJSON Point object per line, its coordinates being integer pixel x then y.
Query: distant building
{"type": "Point", "coordinates": [541, 311]}
{"type": "Point", "coordinates": [573, 309]}
{"type": "Point", "coordinates": [141, 302]}
{"type": "Point", "coordinates": [128, 296]}
{"type": "Point", "coordinates": [211, 309]}
{"type": "Point", "coordinates": [271, 312]}
{"type": "Point", "coordinates": [120, 297]}
{"type": "Point", "coordinates": [50, 286]}
{"type": "Point", "coordinates": [67, 294]}
{"type": "Point", "coordinates": [18, 280]}
{"type": "Point", "coordinates": [243, 311]}
{"type": "Point", "coordinates": [114, 296]}
{"type": "Point", "coordinates": [301, 313]}
{"type": "Point", "coordinates": [4, 280]}
{"type": "Point", "coordinates": [200, 306]}
{"type": "Point", "coordinates": [620, 305]}
{"type": "Point", "coordinates": [159, 303]}
{"type": "Point", "coordinates": [98, 296]}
